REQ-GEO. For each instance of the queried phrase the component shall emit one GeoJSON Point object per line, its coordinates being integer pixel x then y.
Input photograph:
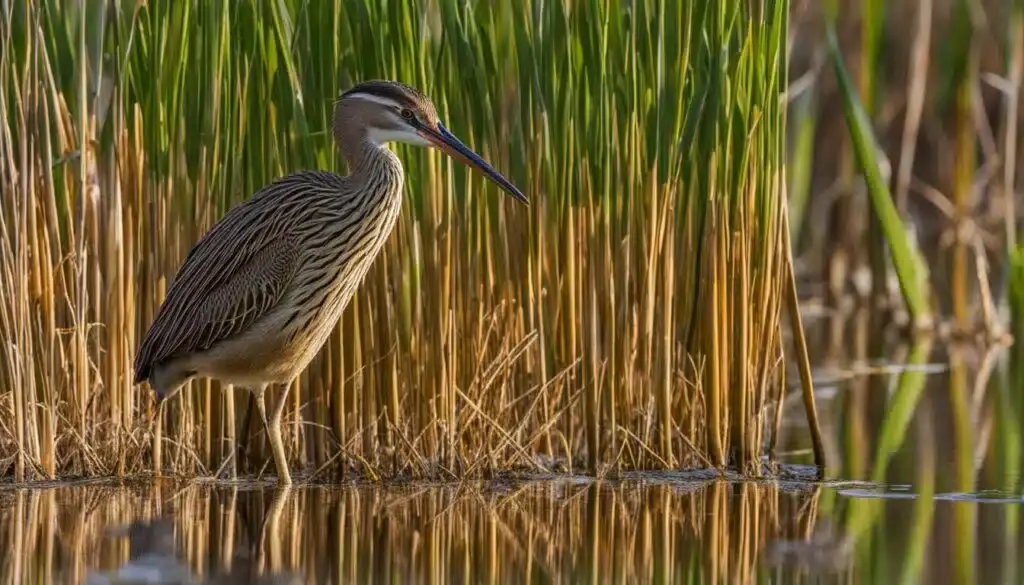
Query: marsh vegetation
{"type": "Point", "coordinates": [709, 181]}
{"type": "Point", "coordinates": [631, 318]}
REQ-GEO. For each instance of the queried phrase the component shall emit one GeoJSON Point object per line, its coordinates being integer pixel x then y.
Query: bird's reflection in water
{"type": "Point", "coordinates": [154, 558]}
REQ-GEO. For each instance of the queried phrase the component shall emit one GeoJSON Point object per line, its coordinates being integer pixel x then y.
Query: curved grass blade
{"type": "Point", "coordinates": [904, 255]}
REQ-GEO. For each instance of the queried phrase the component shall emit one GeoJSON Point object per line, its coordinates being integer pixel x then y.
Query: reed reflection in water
{"type": "Point", "coordinates": [567, 531]}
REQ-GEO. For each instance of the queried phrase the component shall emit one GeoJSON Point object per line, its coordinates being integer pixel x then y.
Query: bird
{"type": "Point", "coordinates": [259, 293]}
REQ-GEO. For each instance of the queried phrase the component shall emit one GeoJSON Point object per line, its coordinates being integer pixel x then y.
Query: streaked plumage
{"type": "Point", "coordinates": [258, 295]}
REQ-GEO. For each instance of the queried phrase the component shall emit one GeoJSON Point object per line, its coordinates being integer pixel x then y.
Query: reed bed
{"type": "Point", "coordinates": [532, 533]}
{"type": "Point", "coordinates": [631, 318]}
{"type": "Point", "coordinates": [906, 158]}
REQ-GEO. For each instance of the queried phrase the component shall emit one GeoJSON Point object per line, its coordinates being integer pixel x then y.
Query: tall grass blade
{"type": "Point", "coordinates": [906, 260]}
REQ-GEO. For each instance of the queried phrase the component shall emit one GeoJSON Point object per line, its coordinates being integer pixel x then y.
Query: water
{"type": "Point", "coordinates": [563, 531]}
{"type": "Point", "coordinates": [671, 529]}
{"type": "Point", "coordinates": [923, 486]}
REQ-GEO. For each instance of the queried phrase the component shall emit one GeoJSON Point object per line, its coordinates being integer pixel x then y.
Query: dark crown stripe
{"type": "Point", "coordinates": [398, 92]}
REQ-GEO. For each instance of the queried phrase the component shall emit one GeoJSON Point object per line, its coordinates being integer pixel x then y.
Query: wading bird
{"type": "Point", "coordinates": [258, 295]}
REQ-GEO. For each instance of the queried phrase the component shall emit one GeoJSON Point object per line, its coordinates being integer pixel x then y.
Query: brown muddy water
{"type": "Point", "coordinates": [923, 486]}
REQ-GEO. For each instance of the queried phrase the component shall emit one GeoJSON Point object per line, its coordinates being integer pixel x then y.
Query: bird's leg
{"type": "Point", "coordinates": [158, 437]}
{"type": "Point", "coordinates": [276, 443]}
{"type": "Point", "coordinates": [261, 406]}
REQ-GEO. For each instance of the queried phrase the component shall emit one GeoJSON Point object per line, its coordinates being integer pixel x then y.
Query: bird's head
{"type": "Point", "coordinates": [390, 111]}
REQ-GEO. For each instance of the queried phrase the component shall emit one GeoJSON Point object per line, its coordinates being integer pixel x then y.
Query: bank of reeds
{"type": "Point", "coordinates": [630, 318]}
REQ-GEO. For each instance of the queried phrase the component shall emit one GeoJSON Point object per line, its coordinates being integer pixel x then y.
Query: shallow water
{"type": "Point", "coordinates": [668, 530]}
{"type": "Point", "coordinates": [923, 486]}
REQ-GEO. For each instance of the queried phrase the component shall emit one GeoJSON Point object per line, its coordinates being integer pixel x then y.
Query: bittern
{"type": "Point", "coordinates": [259, 293]}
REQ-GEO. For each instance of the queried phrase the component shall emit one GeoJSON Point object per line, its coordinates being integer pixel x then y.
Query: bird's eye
{"type": "Point", "coordinates": [407, 114]}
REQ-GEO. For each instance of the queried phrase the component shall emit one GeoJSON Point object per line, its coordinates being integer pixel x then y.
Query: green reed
{"type": "Point", "coordinates": [908, 263]}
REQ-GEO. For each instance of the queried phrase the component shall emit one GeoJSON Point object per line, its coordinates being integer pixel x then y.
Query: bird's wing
{"type": "Point", "coordinates": [236, 273]}
{"type": "Point", "coordinates": [253, 289]}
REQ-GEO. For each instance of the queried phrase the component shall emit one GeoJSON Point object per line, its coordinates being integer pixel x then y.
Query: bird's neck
{"type": "Point", "coordinates": [378, 170]}
{"type": "Point", "coordinates": [366, 158]}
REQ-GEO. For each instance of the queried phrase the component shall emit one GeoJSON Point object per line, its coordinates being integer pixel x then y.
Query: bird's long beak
{"type": "Point", "coordinates": [447, 143]}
